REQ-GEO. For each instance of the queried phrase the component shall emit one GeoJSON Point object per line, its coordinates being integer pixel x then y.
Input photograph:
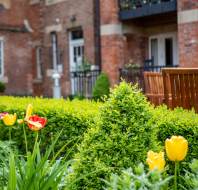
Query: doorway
{"type": "Point", "coordinates": [163, 49]}
{"type": "Point", "coordinates": [76, 51]}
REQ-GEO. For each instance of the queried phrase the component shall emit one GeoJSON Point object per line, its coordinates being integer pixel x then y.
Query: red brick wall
{"type": "Point", "coordinates": [109, 11]}
{"type": "Point", "coordinates": [84, 18]}
{"type": "Point", "coordinates": [188, 37]}
{"type": "Point", "coordinates": [16, 13]}
{"type": "Point", "coordinates": [136, 49]}
{"type": "Point", "coordinates": [112, 50]}
{"type": "Point", "coordinates": [187, 4]}
{"type": "Point", "coordinates": [17, 50]}
{"type": "Point", "coordinates": [112, 46]}
{"type": "Point", "coordinates": [188, 44]}
{"type": "Point", "coordinates": [17, 63]}
{"type": "Point", "coordinates": [119, 49]}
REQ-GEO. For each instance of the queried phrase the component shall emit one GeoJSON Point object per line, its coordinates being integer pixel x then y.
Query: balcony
{"type": "Point", "coordinates": [132, 9]}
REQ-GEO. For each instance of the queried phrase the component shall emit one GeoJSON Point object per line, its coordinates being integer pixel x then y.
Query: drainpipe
{"type": "Point", "coordinates": [97, 33]}
{"type": "Point", "coordinates": [56, 74]}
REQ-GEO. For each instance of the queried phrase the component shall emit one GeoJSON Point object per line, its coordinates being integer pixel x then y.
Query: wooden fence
{"type": "Point", "coordinates": [181, 87]}
{"type": "Point", "coordinates": [154, 89]}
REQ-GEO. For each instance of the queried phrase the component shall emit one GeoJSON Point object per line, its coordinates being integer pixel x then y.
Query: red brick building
{"type": "Point", "coordinates": [39, 37]}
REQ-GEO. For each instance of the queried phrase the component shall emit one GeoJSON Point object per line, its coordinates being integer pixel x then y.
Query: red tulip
{"type": "Point", "coordinates": [36, 123]}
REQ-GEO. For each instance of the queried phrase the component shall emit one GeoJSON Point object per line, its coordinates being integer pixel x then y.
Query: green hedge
{"type": "Point", "coordinates": [73, 117]}
{"type": "Point", "coordinates": [177, 122]}
{"type": "Point", "coordinates": [121, 138]}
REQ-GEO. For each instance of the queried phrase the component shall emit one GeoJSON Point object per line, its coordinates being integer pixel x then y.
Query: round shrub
{"type": "Point", "coordinates": [101, 87]}
{"type": "Point", "coordinates": [120, 139]}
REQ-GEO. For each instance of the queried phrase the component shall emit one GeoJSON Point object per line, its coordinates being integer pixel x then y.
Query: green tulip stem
{"type": "Point", "coordinates": [53, 146]}
{"type": "Point", "coordinates": [25, 137]}
{"type": "Point", "coordinates": [36, 139]}
{"type": "Point", "coordinates": [10, 135]}
{"type": "Point", "coordinates": [175, 177]}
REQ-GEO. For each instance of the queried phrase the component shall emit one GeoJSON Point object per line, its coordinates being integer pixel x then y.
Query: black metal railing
{"type": "Point", "coordinates": [139, 8]}
{"type": "Point", "coordinates": [136, 74]}
{"type": "Point", "coordinates": [82, 82]}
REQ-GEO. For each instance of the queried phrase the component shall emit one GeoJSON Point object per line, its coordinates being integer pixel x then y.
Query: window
{"type": "Point", "coordinates": [39, 62]}
{"type": "Point", "coordinates": [1, 56]}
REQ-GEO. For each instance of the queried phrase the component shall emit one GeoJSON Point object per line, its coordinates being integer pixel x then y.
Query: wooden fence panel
{"type": "Point", "coordinates": [181, 87]}
{"type": "Point", "coordinates": [154, 89]}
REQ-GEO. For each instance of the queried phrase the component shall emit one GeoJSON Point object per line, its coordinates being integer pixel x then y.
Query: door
{"type": "Point", "coordinates": [76, 47]}
{"type": "Point", "coordinates": [163, 49]}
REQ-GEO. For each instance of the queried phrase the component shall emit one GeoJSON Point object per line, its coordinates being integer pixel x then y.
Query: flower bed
{"type": "Point", "coordinates": [105, 145]}
{"type": "Point", "coordinates": [71, 117]}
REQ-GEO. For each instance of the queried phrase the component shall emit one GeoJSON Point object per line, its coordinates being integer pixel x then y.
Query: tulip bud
{"type": "Point", "coordinates": [20, 121]}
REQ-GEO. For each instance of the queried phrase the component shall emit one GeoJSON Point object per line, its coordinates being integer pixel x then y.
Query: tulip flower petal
{"type": "Point", "coordinates": [9, 119]}
{"type": "Point", "coordinates": [170, 150]}
{"type": "Point", "coordinates": [176, 148]}
{"type": "Point", "coordinates": [35, 123]}
{"type": "Point", "coordinates": [28, 112]}
{"type": "Point", "coordinates": [155, 160]}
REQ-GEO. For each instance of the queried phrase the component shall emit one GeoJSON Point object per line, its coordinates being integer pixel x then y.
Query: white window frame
{"type": "Point", "coordinates": [161, 47]}
{"type": "Point", "coordinates": [72, 44]}
{"type": "Point", "coordinates": [2, 58]}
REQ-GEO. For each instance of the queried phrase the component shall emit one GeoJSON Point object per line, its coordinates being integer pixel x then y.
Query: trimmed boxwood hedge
{"type": "Point", "coordinates": [127, 127]}
{"type": "Point", "coordinates": [72, 117]}
{"type": "Point", "coordinates": [121, 138]}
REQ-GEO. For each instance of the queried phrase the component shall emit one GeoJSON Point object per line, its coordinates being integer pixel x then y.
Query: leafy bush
{"type": "Point", "coordinates": [2, 87]}
{"type": "Point", "coordinates": [191, 177]}
{"type": "Point", "coordinates": [138, 179]}
{"type": "Point", "coordinates": [177, 122]}
{"type": "Point", "coordinates": [6, 148]}
{"type": "Point", "coordinates": [73, 117]}
{"type": "Point", "coordinates": [101, 87]}
{"type": "Point", "coordinates": [35, 171]}
{"type": "Point", "coordinates": [121, 138]}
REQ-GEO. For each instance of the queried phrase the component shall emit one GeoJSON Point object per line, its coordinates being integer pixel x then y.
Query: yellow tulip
{"type": "Point", "coordinates": [9, 119]}
{"type": "Point", "coordinates": [176, 148]}
{"type": "Point", "coordinates": [28, 112]}
{"type": "Point", "coordinates": [155, 160]}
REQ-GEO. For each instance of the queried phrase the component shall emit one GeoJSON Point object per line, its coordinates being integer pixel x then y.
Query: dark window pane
{"type": "Point", "coordinates": [77, 34]}
{"type": "Point", "coordinates": [169, 51]}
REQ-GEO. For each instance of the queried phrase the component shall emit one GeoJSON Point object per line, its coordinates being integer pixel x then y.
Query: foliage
{"type": "Point", "coordinates": [73, 117]}
{"type": "Point", "coordinates": [35, 172]}
{"type": "Point", "coordinates": [6, 147]}
{"type": "Point", "coordinates": [177, 122]}
{"type": "Point", "coordinates": [101, 87]}
{"type": "Point", "coordinates": [85, 66]}
{"type": "Point", "coordinates": [2, 87]}
{"type": "Point", "coordinates": [138, 179]}
{"type": "Point", "coordinates": [191, 177]}
{"type": "Point", "coordinates": [121, 138]}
